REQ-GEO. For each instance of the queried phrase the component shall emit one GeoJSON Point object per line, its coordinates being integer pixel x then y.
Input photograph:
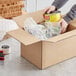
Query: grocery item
{"type": "Point", "coordinates": [6, 49]}
{"type": "Point", "coordinates": [41, 31]}
{"type": "Point", "coordinates": [53, 16]}
{"type": "Point", "coordinates": [52, 21]}
{"type": "Point", "coordinates": [1, 55]}
{"type": "Point", "coordinates": [54, 27]}
{"type": "Point", "coordinates": [35, 29]}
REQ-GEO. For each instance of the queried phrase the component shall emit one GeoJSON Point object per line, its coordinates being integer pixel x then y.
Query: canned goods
{"type": "Point", "coordinates": [53, 17]}
{"type": "Point", "coordinates": [5, 49]}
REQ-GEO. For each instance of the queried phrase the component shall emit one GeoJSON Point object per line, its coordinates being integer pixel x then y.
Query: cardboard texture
{"type": "Point", "coordinates": [37, 16]}
{"type": "Point", "coordinates": [11, 8]}
{"type": "Point", "coordinates": [6, 37]}
{"type": "Point", "coordinates": [48, 52]}
{"type": "Point", "coordinates": [8, 1]}
{"type": "Point", "coordinates": [24, 39]}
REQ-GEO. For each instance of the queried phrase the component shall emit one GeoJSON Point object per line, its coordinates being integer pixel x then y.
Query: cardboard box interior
{"type": "Point", "coordinates": [38, 17]}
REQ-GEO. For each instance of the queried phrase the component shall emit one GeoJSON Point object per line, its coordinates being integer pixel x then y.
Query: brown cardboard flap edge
{"type": "Point", "coordinates": [62, 36]}
{"type": "Point", "coordinates": [37, 16]}
{"type": "Point", "coordinates": [23, 36]}
{"type": "Point", "coordinates": [26, 38]}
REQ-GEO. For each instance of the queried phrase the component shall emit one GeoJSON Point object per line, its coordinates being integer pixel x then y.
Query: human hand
{"type": "Point", "coordinates": [49, 9]}
{"type": "Point", "coordinates": [64, 26]}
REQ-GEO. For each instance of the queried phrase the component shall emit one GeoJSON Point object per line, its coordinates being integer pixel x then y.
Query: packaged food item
{"type": "Point", "coordinates": [1, 55]}
{"type": "Point", "coordinates": [53, 16]}
{"type": "Point", "coordinates": [52, 22]}
{"type": "Point", "coordinates": [41, 31]}
{"type": "Point", "coordinates": [35, 29]}
{"type": "Point", "coordinates": [6, 49]}
{"type": "Point", "coordinates": [54, 28]}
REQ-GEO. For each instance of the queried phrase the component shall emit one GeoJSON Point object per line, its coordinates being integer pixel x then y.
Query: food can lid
{"type": "Point", "coordinates": [57, 12]}
{"type": "Point", "coordinates": [53, 12]}
{"type": "Point", "coordinates": [5, 46]}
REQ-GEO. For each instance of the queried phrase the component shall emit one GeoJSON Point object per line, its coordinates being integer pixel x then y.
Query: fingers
{"type": "Point", "coordinates": [63, 26]}
{"type": "Point", "coordinates": [63, 30]}
{"type": "Point", "coordinates": [49, 9]}
{"type": "Point", "coordinates": [46, 10]}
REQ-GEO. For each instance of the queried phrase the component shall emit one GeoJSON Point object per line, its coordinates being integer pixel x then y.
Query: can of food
{"type": "Point", "coordinates": [53, 16]}
{"type": "Point", "coordinates": [47, 17]}
{"type": "Point", "coordinates": [6, 49]}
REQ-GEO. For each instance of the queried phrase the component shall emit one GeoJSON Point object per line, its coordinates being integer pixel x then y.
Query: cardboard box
{"type": "Point", "coordinates": [48, 52]}
{"type": "Point", "coordinates": [11, 8]}
{"type": "Point", "coordinates": [5, 37]}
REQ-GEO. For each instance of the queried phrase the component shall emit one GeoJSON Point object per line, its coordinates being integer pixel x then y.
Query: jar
{"type": "Point", "coordinates": [5, 49]}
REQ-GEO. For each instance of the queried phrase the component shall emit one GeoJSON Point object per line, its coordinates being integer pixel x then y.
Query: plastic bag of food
{"type": "Point", "coordinates": [35, 29]}
{"type": "Point", "coordinates": [54, 28]}
{"type": "Point", "coordinates": [41, 31]}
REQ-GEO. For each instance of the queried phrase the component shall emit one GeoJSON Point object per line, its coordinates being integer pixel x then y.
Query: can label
{"type": "Point", "coordinates": [52, 17]}
{"type": "Point", "coordinates": [47, 17]}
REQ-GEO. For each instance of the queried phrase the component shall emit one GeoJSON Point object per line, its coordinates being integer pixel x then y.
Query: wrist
{"type": "Point", "coordinates": [54, 7]}
{"type": "Point", "coordinates": [67, 18]}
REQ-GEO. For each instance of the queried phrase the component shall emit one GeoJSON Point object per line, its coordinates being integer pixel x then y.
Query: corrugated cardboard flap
{"type": "Point", "coordinates": [23, 36]}
{"type": "Point", "coordinates": [73, 23]}
{"type": "Point", "coordinates": [62, 36]}
{"type": "Point", "coordinates": [20, 19]}
{"type": "Point", "coordinates": [37, 16]}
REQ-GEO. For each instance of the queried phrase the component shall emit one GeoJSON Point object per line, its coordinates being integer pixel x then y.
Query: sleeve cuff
{"type": "Point", "coordinates": [67, 18]}
{"type": "Point", "coordinates": [56, 6]}
{"type": "Point", "coordinates": [71, 14]}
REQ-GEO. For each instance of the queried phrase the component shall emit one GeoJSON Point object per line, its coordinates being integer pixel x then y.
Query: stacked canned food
{"type": "Point", "coordinates": [4, 50]}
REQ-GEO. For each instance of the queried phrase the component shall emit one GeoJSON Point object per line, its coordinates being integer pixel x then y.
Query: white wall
{"type": "Point", "coordinates": [34, 5]}
{"type": "Point", "coordinates": [30, 5]}
{"type": "Point", "coordinates": [43, 4]}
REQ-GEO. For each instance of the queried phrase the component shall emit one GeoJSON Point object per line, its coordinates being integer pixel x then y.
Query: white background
{"type": "Point", "coordinates": [34, 5]}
